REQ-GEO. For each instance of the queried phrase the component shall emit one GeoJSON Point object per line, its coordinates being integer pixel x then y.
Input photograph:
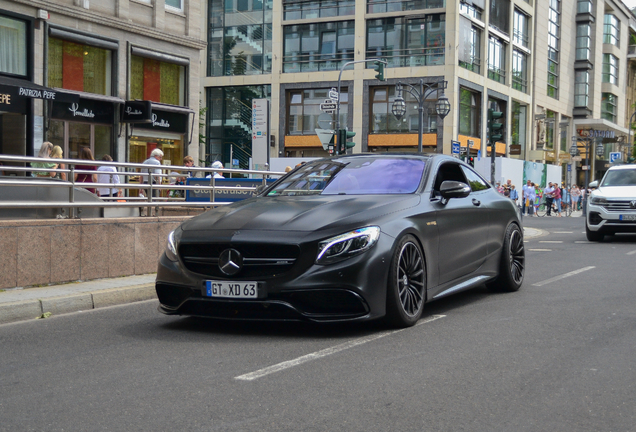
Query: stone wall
{"type": "Point", "coordinates": [42, 252]}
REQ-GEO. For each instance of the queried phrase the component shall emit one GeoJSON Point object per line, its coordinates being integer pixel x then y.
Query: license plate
{"type": "Point", "coordinates": [238, 290]}
{"type": "Point", "coordinates": [628, 217]}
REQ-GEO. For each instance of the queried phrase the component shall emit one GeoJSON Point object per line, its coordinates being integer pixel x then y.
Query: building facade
{"type": "Point", "coordinates": [125, 75]}
{"type": "Point", "coordinates": [531, 60]}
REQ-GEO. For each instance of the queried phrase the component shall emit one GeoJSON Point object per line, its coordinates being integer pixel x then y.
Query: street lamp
{"type": "Point", "coordinates": [574, 148]}
{"type": "Point", "coordinates": [442, 106]}
{"type": "Point", "coordinates": [600, 150]}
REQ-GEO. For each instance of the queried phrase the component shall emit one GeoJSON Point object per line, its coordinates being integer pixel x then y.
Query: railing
{"type": "Point", "coordinates": [151, 183]}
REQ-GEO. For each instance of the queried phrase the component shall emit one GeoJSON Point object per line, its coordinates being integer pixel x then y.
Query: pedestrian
{"type": "Point", "coordinates": [181, 179]}
{"type": "Point", "coordinates": [86, 154]}
{"type": "Point", "coordinates": [526, 191]}
{"type": "Point", "coordinates": [108, 174]}
{"type": "Point", "coordinates": [57, 153]}
{"type": "Point", "coordinates": [217, 174]}
{"type": "Point", "coordinates": [549, 198]}
{"type": "Point", "coordinates": [45, 152]}
{"type": "Point", "coordinates": [557, 199]}
{"type": "Point", "coordinates": [514, 195]}
{"type": "Point", "coordinates": [576, 197]}
{"type": "Point", "coordinates": [155, 159]}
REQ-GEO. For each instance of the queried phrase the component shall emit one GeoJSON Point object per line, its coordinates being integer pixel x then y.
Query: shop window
{"type": "Point", "coordinates": [156, 81]}
{"type": "Point", "coordinates": [469, 113]}
{"type": "Point", "coordinates": [13, 46]}
{"type": "Point", "coordinates": [382, 120]}
{"type": "Point", "coordinates": [304, 110]}
{"type": "Point", "coordinates": [79, 67]}
{"type": "Point", "coordinates": [519, 124]}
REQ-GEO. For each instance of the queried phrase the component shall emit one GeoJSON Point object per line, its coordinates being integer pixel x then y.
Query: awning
{"type": "Point", "coordinates": [19, 88]}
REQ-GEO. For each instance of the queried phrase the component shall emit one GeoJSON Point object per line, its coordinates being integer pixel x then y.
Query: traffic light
{"type": "Point", "coordinates": [343, 144]}
{"type": "Point", "coordinates": [495, 128]}
{"type": "Point", "coordinates": [379, 68]}
{"type": "Point", "coordinates": [471, 161]}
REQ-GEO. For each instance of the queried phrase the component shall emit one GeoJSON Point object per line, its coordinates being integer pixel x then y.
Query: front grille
{"type": "Point", "coordinates": [260, 260]}
{"type": "Point", "coordinates": [618, 206]}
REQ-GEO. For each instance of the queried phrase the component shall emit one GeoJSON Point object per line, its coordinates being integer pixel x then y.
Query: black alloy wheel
{"type": "Point", "coordinates": [513, 262]}
{"type": "Point", "coordinates": [406, 289]}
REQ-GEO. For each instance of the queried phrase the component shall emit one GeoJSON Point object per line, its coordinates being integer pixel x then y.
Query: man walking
{"type": "Point", "coordinates": [527, 198]}
{"type": "Point", "coordinates": [549, 197]}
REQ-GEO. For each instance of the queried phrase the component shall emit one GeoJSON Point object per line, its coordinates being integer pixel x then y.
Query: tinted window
{"type": "Point", "coordinates": [475, 182]}
{"type": "Point", "coordinates": [620, 178]}
{"type": "Point", "coordinates": [363, 176]}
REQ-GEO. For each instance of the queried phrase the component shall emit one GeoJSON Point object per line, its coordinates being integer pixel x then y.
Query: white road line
{"type": "Point", "coordinates": [583, 242]}
{"type": "Point", "coordinates": [563, 276]}
{"type": "Point", "coordinates": [632, 252]}
{"type": "Point", "coordinates": [562, 232]}
{"type": "Point", "coordinates": [540, 250]}
{"type": "Point", "coordinates": [550, 241]}
{"type": "Point", "coordinates": [325, 352]}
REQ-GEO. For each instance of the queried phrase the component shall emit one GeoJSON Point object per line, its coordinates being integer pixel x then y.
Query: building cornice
{"type": "Point", "coordinates": [84, 15]}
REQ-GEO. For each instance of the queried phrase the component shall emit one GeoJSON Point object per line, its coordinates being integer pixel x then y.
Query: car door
{"type": "Point", "coordinates": [462, 224]}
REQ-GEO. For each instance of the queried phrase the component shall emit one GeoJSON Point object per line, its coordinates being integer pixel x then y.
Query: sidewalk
{"type": "Point", "coordinates": [31, 303]}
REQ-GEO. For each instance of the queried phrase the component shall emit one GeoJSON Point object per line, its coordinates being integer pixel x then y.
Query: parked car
{"type": "Point", "coordinates": [611, 208]}
{"type": "Point", "coordinates": [355, 237]}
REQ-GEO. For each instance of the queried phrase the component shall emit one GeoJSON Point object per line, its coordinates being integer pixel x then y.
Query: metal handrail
{"type": "Point", "coordinates": [146, 183]}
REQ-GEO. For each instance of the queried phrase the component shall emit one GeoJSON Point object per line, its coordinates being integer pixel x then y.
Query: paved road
{"type": "Point", "coordinates": [556, 356]}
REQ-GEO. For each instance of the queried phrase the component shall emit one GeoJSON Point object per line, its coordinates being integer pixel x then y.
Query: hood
{"type": "Point", "coordinates": [616, 192]}
{"type": "Point", "coordinates": [300, 213]}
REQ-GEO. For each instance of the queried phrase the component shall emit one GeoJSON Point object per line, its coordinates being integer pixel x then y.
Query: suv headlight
{"type": "Point", "coordinates": [173, 244]}
{"type": "Point", "coordinates": [346, 245]}
{"type": "Point", "coordinates": [598, 200]}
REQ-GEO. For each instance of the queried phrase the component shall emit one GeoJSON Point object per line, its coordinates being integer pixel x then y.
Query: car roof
{"type": "Point", "coordinates": [622, 167]}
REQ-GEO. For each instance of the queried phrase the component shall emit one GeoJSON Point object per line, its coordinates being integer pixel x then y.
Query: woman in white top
{"type": "Point", "coordinates": [105, 175]}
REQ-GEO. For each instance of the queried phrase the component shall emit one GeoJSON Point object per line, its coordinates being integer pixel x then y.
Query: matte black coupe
{"type": "Point", "coordinates": [356, 237]}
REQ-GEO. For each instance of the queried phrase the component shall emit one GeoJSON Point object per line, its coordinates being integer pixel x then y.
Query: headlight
{"type": "Point", "coordinates": [598, 200]}
{"type": "Point", "coordinates": [347, 245]}
{"type": "Point", "coordinates": [173, 243]}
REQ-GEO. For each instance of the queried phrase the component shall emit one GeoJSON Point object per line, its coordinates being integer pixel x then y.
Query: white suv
{"type": "Point", "coordinates": [611, 208]}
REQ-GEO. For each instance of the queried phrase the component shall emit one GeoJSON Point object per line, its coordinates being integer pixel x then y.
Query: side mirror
{"type": "Point", "coordinates": [593, 185]}
{"type": "Point", "coordinates": [454, 189]}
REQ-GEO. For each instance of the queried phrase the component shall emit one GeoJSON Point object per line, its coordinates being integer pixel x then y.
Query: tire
{"type": "Point", "coordinates": [541, 209]}
{"type": "Point", "coordinates": [512, 265]}
{"type": "Point", "coordinates": [406, 287]}
{"type": "Point", "coordinates": [593, 236]}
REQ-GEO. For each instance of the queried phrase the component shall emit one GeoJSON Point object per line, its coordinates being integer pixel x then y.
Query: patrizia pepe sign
{"type": "Point", "coordinates": [86, 110]}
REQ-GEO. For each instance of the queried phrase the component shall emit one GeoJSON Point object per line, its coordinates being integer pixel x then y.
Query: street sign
{"type": "Point", "coordinates": [326, 121]}
{"type": "Point", "coordinates": [577, 158]}
{"type": "Point", "coordinates": [569, 167]}
{"type": "Point", "coordinates": [614, 157]}
{"type": "Point", "coordinates": [455, 147]}
{"type": "Point", "coordinates": [326, 137]}
{"type": "Point", "coordinates": [463, 150]}
{"type": "Point", "coordinates": [328, 106]}
{"type": "Point", "coordinates": [585, 167]}
{"type": "Point", "coordinates": [333, 94]}
{"type": "Point", "coordinates": [514, 149]}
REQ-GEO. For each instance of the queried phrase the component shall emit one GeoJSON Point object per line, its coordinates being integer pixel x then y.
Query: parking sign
{"type": "Point", "coordinates": [615, 157]}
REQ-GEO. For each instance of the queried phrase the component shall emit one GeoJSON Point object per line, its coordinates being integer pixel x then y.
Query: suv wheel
{"type": "Point", "coordinates": [593, 236]}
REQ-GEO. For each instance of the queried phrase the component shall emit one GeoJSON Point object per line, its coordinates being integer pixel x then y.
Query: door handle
{"type": "Point", "coordinates": [476, 202]}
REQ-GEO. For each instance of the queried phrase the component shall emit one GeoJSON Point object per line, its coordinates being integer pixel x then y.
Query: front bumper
{"type": "Point", "coordinates": [600, 219]}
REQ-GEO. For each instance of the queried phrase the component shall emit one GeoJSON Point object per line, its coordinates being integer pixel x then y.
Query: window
{"type": "Point", "coordinates": [583, 6]}
{"type": "Point", "coordinates": [239, 37]}
{"type": "Point", "coordinates": [475, 182]}
{"type": "Point", "coordinates": [554, 33]}
{"type": "Point", "coordinates": [519, 71]}
{"type": "Point", "coordinates": [500, 15]}
{"type": "Point", "coordinates": [583, 41]}
{"type": "Point", "coordinates": [581, 88]}
{"type": "Point", "coordinates": [608, 107]}
{"type": "Point", "coordinates": [469, 113]}
{"type": "Point", "coordinates": [13, 46]}
{"type": "Point", "coordinates": [470, 45]}
{"type": "Point", "coordinates": [550, 119]}
{"type": "Point", "coordinates": [383, 6]}
{"type": "Point", "coordinates": [471, 10]}
{"type": "Point", "coordinates": [317, 47]}
{"type": "Point", "coordinates": [156, 81]}
{"type": "Point", "coordinates": [610, 69]}
{"type": "Point", "coordinates": [518, 124]}
{"type": "Point", "coordinates": [520, 30]}
{"type": "Point", "coordinates": [79, 67]}
{"type": "Point", "coordinates": [383, 121]}
{"type": "Point", "coordinates": [407, 42]}
{"type": "Point", "coordinates": [304, 110]}
{"type": "Point", "coordinates": [175, 5]}
{"type": "Point", "coordinates": [295, 9]}
{"type": "Point", "coordinates": [611, 30]}
{"type": "Point", "coordinates": [496, 59]}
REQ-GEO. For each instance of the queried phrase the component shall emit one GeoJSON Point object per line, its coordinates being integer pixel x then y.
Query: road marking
{"type": "Point", "coordinates": [325, 352]}
{"type": "Point", "coordinates": [563, 276]}
{"type": "Point", "coordinates": [632, 252]}
{"type": "Point", "coordinates": [540, 250]}
{"type": "Point", "coordinates": [562, 232]}
{"type": "Point", "coordinates": [550, 241]}
{"type": "Point", "coordinates": [583, 242]}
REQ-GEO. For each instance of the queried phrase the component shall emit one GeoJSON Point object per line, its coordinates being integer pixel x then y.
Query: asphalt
{"type": "Point", "coordinates": [20, 304]}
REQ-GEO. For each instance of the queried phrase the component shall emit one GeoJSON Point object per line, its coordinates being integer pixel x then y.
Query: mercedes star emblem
{"type": "Point", "coordinates": [230, 262]}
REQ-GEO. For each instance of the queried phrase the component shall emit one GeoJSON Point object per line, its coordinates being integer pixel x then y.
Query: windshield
{"type": "Point", "coordinates": [620, 178]}
{"type": "Point", "coordinates": [363, 176]}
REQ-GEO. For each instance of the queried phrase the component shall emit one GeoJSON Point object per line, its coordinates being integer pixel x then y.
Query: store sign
{"type": "Point", "coordinates": [203, 195]}
{"type": "Point", "coordinates": [11, 103]}
{"type": "Point", "coordinates": [166, 121]}
{"type": "Point", "coordinates": [137, 112]}
{"type": "Point", "coordinates": [86, 110]}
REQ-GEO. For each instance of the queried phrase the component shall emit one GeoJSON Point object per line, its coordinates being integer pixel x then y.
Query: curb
{"type": "Point", "coordinates": [45, 307]}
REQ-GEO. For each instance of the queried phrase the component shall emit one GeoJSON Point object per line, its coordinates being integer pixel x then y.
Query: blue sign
{"type": "Point", "coordinates": [615, 157]}
{"type": "Point", "coordinates": [478, 154]}
{"type": "Point", "coordinates": [455, 147]}
{"type": "Point", "coordinates": [569, 167]}
{"type": "Point", "coordinates": [204, 195]}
